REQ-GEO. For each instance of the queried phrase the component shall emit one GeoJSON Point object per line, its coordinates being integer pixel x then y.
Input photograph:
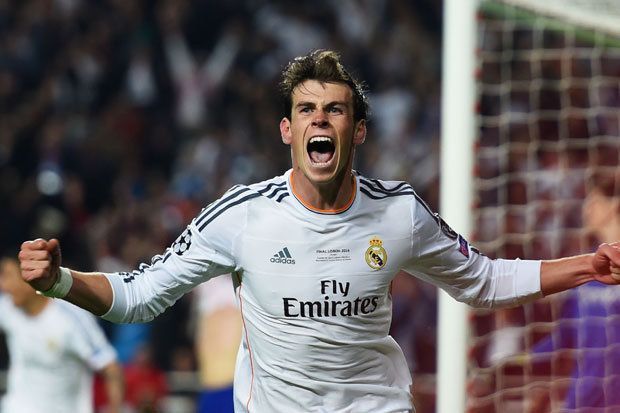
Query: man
{"type": "Point", "coordinates": [54, 348]}
{"type": "Point", "coordinates": [313, 253]}
{"type": "Point", "coordinates": [588, 324]}
{"type": "Point", "coordinates": [217, 338]}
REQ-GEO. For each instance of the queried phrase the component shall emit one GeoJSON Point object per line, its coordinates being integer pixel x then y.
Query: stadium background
{"type": "Point", "coordinates": [120, 120]}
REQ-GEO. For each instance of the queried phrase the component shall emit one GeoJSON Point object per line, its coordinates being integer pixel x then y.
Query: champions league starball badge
{"type": "Point", "coordinates": [376, 255]}
{"type": "Point", "coordinates": [182, 243]}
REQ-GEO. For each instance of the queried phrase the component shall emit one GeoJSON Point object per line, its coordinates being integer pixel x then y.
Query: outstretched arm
{"type": "Point", "coordinates": [40, 267]}
{"type": "Point", "coordinates": [565, 273]}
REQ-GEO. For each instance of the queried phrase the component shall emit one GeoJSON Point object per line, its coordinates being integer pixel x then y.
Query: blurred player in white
{"type": "Point", "coordinates": [218, 334]}
{"type": "Point", "coordinates": [54, 350]}
{"type": "Point", "coordinates": [313, 253]}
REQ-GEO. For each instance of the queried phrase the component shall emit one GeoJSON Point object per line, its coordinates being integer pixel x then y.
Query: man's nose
{"type": "Point", "coordinates": [320, 119]}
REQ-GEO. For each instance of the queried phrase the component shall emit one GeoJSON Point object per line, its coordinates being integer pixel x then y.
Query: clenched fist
{"type": "Point", "coordinates": [606, 263]}
{"type": "Point", "coordinates": [40, 263]}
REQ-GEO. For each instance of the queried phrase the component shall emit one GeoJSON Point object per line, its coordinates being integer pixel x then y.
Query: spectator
{"type": "Point", "coordinates": [217, 340]}
{"type": "Point", "coordinates": [146, 384]}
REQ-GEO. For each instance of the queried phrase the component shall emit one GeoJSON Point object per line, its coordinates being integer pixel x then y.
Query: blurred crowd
{"type": "Point", "coordinates": [120, 120]}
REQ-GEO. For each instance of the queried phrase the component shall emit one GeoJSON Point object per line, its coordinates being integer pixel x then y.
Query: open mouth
{"type": "Point", "coordinates": [321, 150]}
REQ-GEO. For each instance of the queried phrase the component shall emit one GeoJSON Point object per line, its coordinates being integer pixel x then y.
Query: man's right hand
{"type": "Point", "coordinates": [40, 263]}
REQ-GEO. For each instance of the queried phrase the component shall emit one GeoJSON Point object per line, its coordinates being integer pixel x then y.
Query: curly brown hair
{"type": "Point", "coordinates": [324, 66]}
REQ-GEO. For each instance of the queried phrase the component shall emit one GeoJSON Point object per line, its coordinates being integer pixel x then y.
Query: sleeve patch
{"type": "Point", "coordinates": [463, 246]}
{"type": "Point", "coordinates": [183, 242]}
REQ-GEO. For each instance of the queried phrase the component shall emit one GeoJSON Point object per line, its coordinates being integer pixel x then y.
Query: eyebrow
{"type": "Point", "coordinates": [329, 104]}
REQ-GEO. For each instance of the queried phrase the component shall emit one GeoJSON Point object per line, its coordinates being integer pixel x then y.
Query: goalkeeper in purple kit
{"type": "Point", "coordinates": [589, 323]}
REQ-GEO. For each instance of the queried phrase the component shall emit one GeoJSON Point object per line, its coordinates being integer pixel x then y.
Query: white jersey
{"type": "Point", "coordinates": [52, 358]}
{"type": "Point", "coordinates": [314, 289]}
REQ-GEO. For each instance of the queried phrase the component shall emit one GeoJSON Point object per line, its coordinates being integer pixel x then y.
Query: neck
{"type": "Point", "coordinates": [334, 196]}
{"type": "Point", "coordinates": [35, 305]}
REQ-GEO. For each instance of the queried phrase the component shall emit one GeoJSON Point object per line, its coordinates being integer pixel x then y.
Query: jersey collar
{"type": "Point", "coordinates": [310, 208]}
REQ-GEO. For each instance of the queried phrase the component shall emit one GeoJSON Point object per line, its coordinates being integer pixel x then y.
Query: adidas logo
{"type": "Point", "coordinates": [282, 257]}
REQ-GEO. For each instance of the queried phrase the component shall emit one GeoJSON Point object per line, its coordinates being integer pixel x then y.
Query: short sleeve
{"type": "Point", "coordinates": [87, 339]}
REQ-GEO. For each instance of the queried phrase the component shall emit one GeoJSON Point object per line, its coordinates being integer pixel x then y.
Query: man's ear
{"type": "Point", "coordinates": [360, 132]}
{"type": "Point", "coordinates": [285, 131]}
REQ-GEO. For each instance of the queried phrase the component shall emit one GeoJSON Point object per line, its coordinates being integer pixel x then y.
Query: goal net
{"type": "Point", "coordinates": [548, 121]}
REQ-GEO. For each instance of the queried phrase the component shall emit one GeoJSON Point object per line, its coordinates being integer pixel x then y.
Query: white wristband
{"type": "Point", "coordinates": [61, 287]}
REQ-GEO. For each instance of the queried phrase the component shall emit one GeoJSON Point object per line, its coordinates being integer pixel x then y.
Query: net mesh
{"type": "Point", "coordinates": [548, 128]}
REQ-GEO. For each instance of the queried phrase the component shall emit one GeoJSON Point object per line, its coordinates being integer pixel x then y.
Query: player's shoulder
{"type": "Point", "coordinates": [378, 189]}
{"type": "Point", "coordinates": [7, 307]}
{"type": "Point", "coordinates": [275, 189]}
{"type": "Point", "coordinates": [6, 304]}
{"type": "Point", "coordinates": [234, 201]}
{"type": "Point", "coordinates": [395, 193]}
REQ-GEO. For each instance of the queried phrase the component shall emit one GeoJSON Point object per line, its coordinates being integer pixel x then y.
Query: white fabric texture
{"type": "Point", "coordinates": [314, 290]}
{"type": "Point", "coordinates": [52, 358]}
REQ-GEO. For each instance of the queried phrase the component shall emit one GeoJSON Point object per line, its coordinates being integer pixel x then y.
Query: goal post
{"type": "Point", "coordinates": [457, 137]}
{"type": "Point", "coordinates": [530, 110]}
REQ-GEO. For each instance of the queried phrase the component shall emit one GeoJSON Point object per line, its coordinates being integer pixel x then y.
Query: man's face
{"type": "Point", "coordinates": [322, 132]}
{"type": "Point", "coordinates": [12, 283]}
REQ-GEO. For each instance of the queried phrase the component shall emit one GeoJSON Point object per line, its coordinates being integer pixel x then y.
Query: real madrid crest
{"type": "Point", "coordinates": [376, 255]}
